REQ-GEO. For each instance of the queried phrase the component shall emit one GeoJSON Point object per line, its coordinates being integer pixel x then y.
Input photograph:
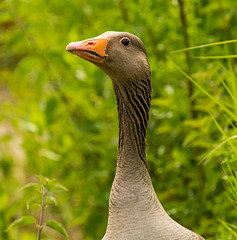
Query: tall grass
{"type": "Point", "coordinates": [221, 106]}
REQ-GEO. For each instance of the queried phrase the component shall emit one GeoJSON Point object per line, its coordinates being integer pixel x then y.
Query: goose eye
{"type": "Point", "coordinates": [125, 41]}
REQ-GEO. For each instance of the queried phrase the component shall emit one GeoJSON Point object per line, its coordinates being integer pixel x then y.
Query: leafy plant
{"type": "Point", "coordinates": [43, 197]}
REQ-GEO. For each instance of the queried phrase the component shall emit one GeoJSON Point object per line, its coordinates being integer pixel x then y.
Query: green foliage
{"type": "Point", "coordinates": [42, 199]}
{"type": "Point", "coordinates": [57, 226]}
{"type": "Point", "coordinates": [25, 220]}
{"type": "Point", "coordinates": [58, 113]}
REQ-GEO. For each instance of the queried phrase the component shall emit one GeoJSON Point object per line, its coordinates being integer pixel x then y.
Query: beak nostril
{"type": "Point", "coordinates": [90, 43]}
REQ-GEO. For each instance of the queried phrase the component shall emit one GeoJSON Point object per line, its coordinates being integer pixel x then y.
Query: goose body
{"type": "Point", "coordinates": [135, 213]}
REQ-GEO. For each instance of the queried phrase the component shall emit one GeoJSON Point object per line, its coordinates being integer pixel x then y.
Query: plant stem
{"type": "Point", "coordinates": [124, 11]}
{"type": "Point", "coordinates": [194, 113]}
{"type": "Point", "coordinates": [187, 54]}
{"type": "Point", "coordinates": [40, 226]}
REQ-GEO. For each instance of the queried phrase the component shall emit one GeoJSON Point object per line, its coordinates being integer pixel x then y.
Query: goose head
{"type": "Point", "coordinates": [121, 55]}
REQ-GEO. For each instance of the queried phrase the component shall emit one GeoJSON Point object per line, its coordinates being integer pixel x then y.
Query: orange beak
{"type": "Point", "coordinates": [92, 50]}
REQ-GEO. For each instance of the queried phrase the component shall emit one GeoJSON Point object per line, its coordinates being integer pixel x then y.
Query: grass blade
{"type": "Point", "coordinates": [203, 90]}
{"type": "Point", "coordinates": [222, 143]}
{"type": "Point", "coordinates": [216, 57]}
{"type": "Point", "coordinates": [205, 45]}
{"type": "Point", "coordinates": [229, 227]}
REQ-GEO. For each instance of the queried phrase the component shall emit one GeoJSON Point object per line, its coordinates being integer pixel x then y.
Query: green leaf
{"type": "Point", "coordinates": [51, 199]}
{"type": "Point", "coordinates": [25, 220]}
{"type": "Point", "coordinates": [29, 126]}
{"type": "Point", "coordinates": [61, 187]}
{"type": "Point", "coordinates": [56, 187]}
{"type": "Point", "coordinates": [34, 201]}
{"type": "Point", "coordinates": [162, 102]}
{"type": "Point", "coordinates": [49, 154]}
{"type": "Point", "coordinates": [57, 227]}
{"type": "Point", "coordinates": [34, 186]}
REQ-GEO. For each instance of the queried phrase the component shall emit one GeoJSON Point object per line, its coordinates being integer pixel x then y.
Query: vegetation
{"type": "Point", "coordinates": [45, 191]}
{"type": "Point", "coordinates": [58, 113]}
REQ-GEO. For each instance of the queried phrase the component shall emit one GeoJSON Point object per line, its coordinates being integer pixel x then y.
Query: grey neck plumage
{"type": "Point", "coordinates": [133, 104]}
{"type": "Point", "coordinates": [135, 212]}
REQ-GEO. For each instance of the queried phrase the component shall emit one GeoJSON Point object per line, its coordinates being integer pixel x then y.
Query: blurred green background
{"type": "Point", "coordinates": [58, 112]}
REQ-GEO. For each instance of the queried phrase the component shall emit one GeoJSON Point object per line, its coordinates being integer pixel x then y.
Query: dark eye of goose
{"type": "Point", "coordinates": [125, 41]}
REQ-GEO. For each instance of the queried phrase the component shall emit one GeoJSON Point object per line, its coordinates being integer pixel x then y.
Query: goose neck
{"type": "Point", "coordinates": [133, 104]}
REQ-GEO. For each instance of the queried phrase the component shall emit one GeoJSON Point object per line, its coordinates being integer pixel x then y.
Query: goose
{"type": "Point", "coordinates": [135, 213]}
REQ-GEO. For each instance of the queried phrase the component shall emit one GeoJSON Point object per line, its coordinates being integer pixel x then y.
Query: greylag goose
{"type": "Point", "coordinates": [135, 213]}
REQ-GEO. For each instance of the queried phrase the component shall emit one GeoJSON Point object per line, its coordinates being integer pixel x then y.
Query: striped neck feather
{"type": "Point", "coordinates": [133, 104]}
